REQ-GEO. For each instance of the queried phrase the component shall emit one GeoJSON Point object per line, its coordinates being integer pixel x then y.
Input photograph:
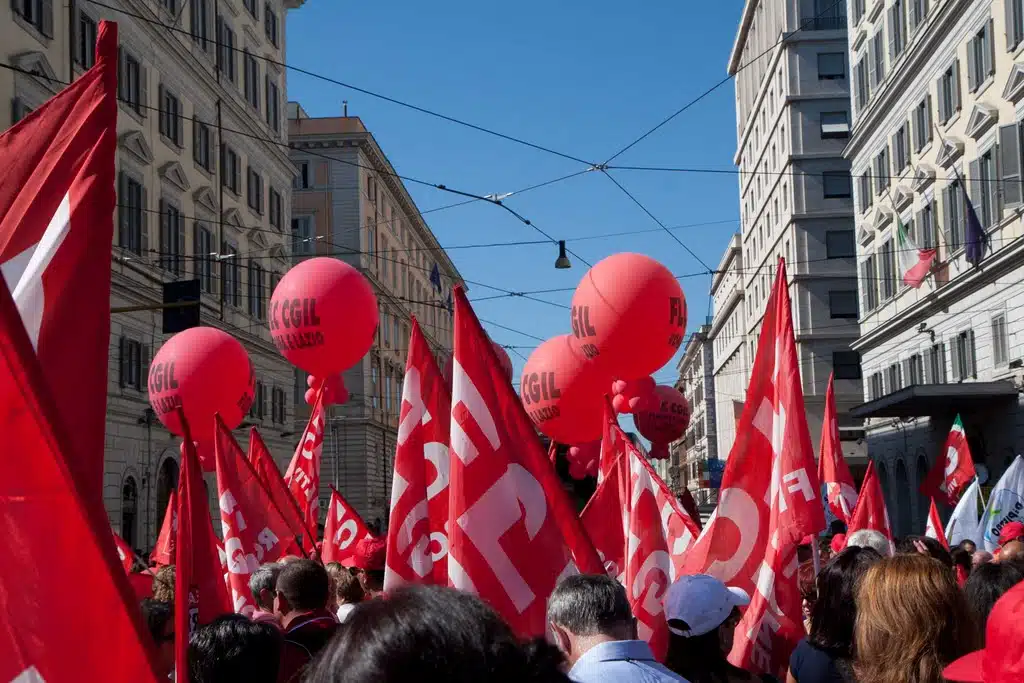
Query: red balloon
{"type": "Point", "coordinates": [632, 395]}
{"type": "Point", "coordinates": [629, 314]}
{"type": "Point", "coordinates": [335, 392]}
{"type": "Point", "coordinates": [563, 392]}
{"type": "Point", "coordinates": [323, 316]}
{"type": "Point", "coordinates": [664, 421]}
{"type": "Point", "coordinates": [205, 371]}
{"type": "Point", "coordinates": [584, 460]}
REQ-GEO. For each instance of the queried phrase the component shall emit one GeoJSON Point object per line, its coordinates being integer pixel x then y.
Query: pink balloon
{"type": "Point", "coordinates": [310, 396]}
{"type": "Point", "coordinates": [630, 396]}
{"type": "Point", "coordinates": [323, 316]}
{"type": "Point", "coordinates": [584, 460]}
{"type": "Point", "coordinates": [335, 392]}
{"type": "Point", "coordinates": [663, 421]}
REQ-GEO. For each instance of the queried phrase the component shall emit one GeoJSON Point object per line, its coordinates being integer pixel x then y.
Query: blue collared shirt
{"type": "Point", "coordinates": [621, 661]}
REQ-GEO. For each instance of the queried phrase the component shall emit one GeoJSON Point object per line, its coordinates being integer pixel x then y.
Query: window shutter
{"type": "Point", "coordinates": [870, 57]}
{"type": "Point", "coordinates": [972, 68]}
{"type": "Point", "coordinates": [144, 224]}
{"type": "Point", "coordinates": [122, 209]}
{"type": "Point", "coordinates": [1011, 22]}
{"type": "Point", "coordinates": [972, 359]}
{"type": "Point", "coordinates": [122, 360]}
{"type": "Point", "coordinates": [954, 349]}
{"type": "Point", "coordinates": [956, 87]}
{"type": "Point", "coordinates": [928, 118]}
{"type": "Point", "coordinates": [165, 235]}
{"type": "Point", "coordinates": [179, 267]}
{"type": "Point", "coordinates": [46, 18]}
{"type": "Point", "coordinates": [990, 66]}
{"type": "Point", "coordinates": [120, 72]}
{"type": "Point", "coordinates": [164, 116]}
{"type": "Point", "coordinates": [976, 187]}
{"type": "Point", "coordinates": [926, 375]}
{"type": "Point", "coordinates": [147, 355]}
{"type": "Point", "coordinates": [143, 90]}
{"type": "Point", "coordinates": [1009, 163]}
{"type": "Point", "coordinates": [179, 125]}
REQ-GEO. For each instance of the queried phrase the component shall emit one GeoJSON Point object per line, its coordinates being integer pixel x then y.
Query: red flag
{"type": "Point", "coordinates": [200, 594]}
{"type": "Point", "coordinates": [870, 512]}
{"type": "Point", "coordinates": [42, 509]}
{"type": "Point", "coordinates": [163, 553]}
{"type": "Point", "coordinates": [770, 499]}
{"type": "Point", "coordinates": [933, 527]}
{"type": "Point", "coordinates": [417, 541]}
{"type": "Point", "coordinates": [833, 472]}
{"type": "Point", "coordinates": [253, 529]}
{"type": "Point", "coordinates": [266, 469]}
{"type": "Point", "coordinates": [125, 554]}
{"type": "Point", "coordinates": [953, 469]}
{"type": "Point", "coordinates": [343, 528]}
{"type": "Point", "coordinates": [511, 524]}
{"type": "Point", "coordinates": [56, 217]}
{"type": "Point", "coordinates": [303, 475]}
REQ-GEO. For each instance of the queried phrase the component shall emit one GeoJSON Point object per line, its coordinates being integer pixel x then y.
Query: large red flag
{"type": "Point", "coordinates": [266, 469]}
{"type": "Point", "coordinates": [200, 593]}
{"type": "Point", "coordinates": [513, 533]}
{"type": "Point", "coordinates": [303, 475]}
{"type": "Point", "coordinates": [953, 469]}
{"type": "Point", "coordinates": [254, 531]}
{"type": "Point", "coordinates": [870, 512]}
{"type": "Point", "coordinates": [56, 226]}
{"type": "Point", "coordinates": [417, 541]}
{"type": "Point", "coordinates": [344, 527]}
{"type": "Point", "coordinates": [163, 552]}
{"type": "Point", "coordinates": [770, 499]}
{"type": "Point", "coordinates": [833, 472]}
{"type": "Point", "coordinates": [42, 511]}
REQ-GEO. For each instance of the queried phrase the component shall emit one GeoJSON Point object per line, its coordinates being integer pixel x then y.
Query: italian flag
{"type": "Point", "coordinates": [914, 262]}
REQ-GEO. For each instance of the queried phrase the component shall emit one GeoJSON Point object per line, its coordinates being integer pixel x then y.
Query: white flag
{"type": "Point", "coordinates": [964, 524]}
{"type": "Point", "coordinates": [1006, 504]}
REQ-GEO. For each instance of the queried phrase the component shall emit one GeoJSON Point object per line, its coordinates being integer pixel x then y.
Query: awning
{"type": "Point", "coordinates": [924, 400]}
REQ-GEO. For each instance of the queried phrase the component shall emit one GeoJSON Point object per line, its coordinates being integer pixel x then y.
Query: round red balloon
{"type": "Point", "coordinates": [629, 314]}
{"type": "Point", "coordinates": [563, 392]}
{"type": "Point", "coordinates": [664, 420]}
{"type": "Point", "coordinates": [204, 371]}
{"type": "Point", "coordinates": [323, 316]}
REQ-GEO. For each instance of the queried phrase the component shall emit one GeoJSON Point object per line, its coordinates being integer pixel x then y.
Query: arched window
{"type": "Point", "coordinates": [129, 510]}
{"type": "Point", "coordinates": [904, 524]}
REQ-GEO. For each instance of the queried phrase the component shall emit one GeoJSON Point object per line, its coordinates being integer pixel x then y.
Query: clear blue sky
{"type": "Point", "coordinates": [585, 78]}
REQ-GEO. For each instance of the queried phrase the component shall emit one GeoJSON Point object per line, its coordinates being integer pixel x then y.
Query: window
{"type": "Point", "coordinates": [38, 13]}
{"type": "Point", "coordinates": [202, 145]}
{"type": "Point", "coordinates": [257, 291]}
{"type": "Point", "coordinates": [172, 238]}
{"type": "Point", "coordinates": [980, 57]}
{"type": "Point", "coordinates": [863, 89]}
{"type": "Point", "coordinates": [865, 191]}
{"type": "Point", "coordinates": [986, 188]}
{"type": "Point", "coordinates": [171, 121]}
{"type": "Point", "coordinates": [204, 251]}
{"type": "Point", "coordinates": [840, 244]}
{"type": "Point", "coordinates": [132, 353]}
{"type": "Point", "coordinates": [132, 217]}
{"type": "Point", "coordinates": [887, 275]}
{"type": "Point", "coordinates": [132, 82]}
{"type": "Point", "coordinates": [301, 181]}
{"type": "Point", "coordinates": [858, 10]}
{"type": "Point", "coordinates": [935, 364]}
{"type": "Point", "coordinates": [953, 215]}
{"type": "Point", "coordinates": [878, 58]}
{"type": "Point", "coordinates": [230, 169]}
{"type": "Point", "coordinates": [276, 216]}
{"type": "Point", "coordinates": [842, 303]}
{"type": "Point", "coordinates": [836, 184]}
{"type": "Point", "coordinates": [254, 190]}
{"type": "Point", "coordinates": [901, 147]}
{"type": "Point", "coordinates": [897, 29]}
{"type": "Point", "coordinates": [226, 49]}
{"type": "Point", "coordinates": [375, 384]}
{"type": "Point", "coordinates": [949, 92]}
{"type": "Point", "coordinates": [170, 5]}
{"type": "Point", "coordinates": [882, 171]}
{"type": "Point", "coordinates": [846, 364]}
{"type": "Point", "coordinates": [273, 104]}
{"type": "Point", "coordinates": [1014, 23]}
{"type": "Point", "coordinates": [252, 8]}
{"type": "Point", "coordinates": [964, 359]}
{"type": "Point", "coordinates": [918, 13]}
{"type": "Point", "coordinates": [278, 411]}
{"type": "Point", "coordinates": [1000, 341]}
{"type": "Point", "coordinates": [831, 66]}
{"type": "Point", "coordinates": [926, 226]}
{"type": "Point", "coordinates": [199, 14]}
{"type": "Point", "coordinates": [230, 274]}
{"type": "Point", "coordinates": [835, 124]}
{"type": "Point", "coordinates": [922, 123]}
{"type": "Point", "coordinates": [893, 378]}
{"type": "Point", "coordinates": [85, 54]}
{"type": "Point", "coordinates": [259, 398]}
{"type": "Point", "coordinates": [270, 23]}
{"type": "Point", "coordinates": [251, 70]}
{"type": "Point", "coordinates": [876, 390]}
{"type": "Point", "coordinates": [302, 236]}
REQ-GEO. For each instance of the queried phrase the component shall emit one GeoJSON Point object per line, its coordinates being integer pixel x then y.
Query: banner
{"type": "Point", "coordinates": [964, 524]}
{"type": "Point", "coordinates": [1005, 504]}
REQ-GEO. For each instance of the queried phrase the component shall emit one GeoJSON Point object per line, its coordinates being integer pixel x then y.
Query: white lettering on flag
{"type": "Point", "coordinates": [29, 675]}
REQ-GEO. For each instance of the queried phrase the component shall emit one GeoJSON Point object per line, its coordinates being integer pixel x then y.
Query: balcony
{"type": "Point", "coordinates": [823, 23]}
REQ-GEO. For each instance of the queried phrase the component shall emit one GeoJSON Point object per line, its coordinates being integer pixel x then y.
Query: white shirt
{"type": "Point", "coordinates": [344, 612]}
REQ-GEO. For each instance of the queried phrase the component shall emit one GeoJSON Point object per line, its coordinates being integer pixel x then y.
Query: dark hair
{"type": "Point", "coordinates": [304, 584]}
{"type": "Point", "coordinates": [968, 542]}
{"type": "Point", "coordinates": [234, 648]}
{"type": "Point", "coordinates": [806, 581]}
{"type": "Point", "coordinates": [438, 633]}
{"type": "Point", "coordinates": [961, 558]}
{"type": "Point", "coordinates": [700, 659]}
{"type": "Point", "coordinates": [837, 526]}
{"type": "Point", "coordinates": [986, 585]}
{"type": "Point", "coordinates": [589, 605]}
{"type": "Point", "coordinates": [834, 613]}
{"type": "Point", "coordinates": [157, 614]}
{"type": "Point", "coordinates": [906, 546]}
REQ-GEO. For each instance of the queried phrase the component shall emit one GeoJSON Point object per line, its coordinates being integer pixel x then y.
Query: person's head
{"type": "Point", "coordinates": [979, 558]}
{"type": "Point", "coordinates": [807, 584]}
{"type": "Point", "coordinates": [302, 587]}
{"type": "Point", "coordinates": [263, 584]}
{"type": "Point", "coordinates": [702, 614]}
{"type": "Point", "coordinates": [587, 609]}
{"type": "Point", "coordinates": [1011, 552]}
{"type": "Point", "coordinates": [986, 585]}
{"type": "Point", "coordinates": [369, 560]}
{"type": "Point", "coordinates": [912, 620]}
{"type": "Point", "coordinates": [1002, 660]}
{"type": "Point", "coordinates": [961, 559]}
{"type": "Point", "coordinates": [835, 612]}
{"type": "Point", "coordinates": [159, 618]}
{"type": "Point", "coordinates": [924, 546]}
{"type": "Point", "coordinates": [968, 545]}
{"type": "Point", "coordinates": [334, 570]}
{"type": "Point", "coordinates": [433, 633]}
{"type": "Point", "coordinates": [1011, 531]}
{"type": "Point", "coordinates": [347, 589]}
{"type": "Point", "coordinates": [234, 648]}
{"type": "Point", "coordinates": [163, 584]}
{"type": "Point", "coordinates": [869, 538]}
{"type": "Point", "coordinates": [837, 526]}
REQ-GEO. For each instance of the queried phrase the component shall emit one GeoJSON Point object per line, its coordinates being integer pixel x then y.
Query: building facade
{"type": "Point", "coordinates": [729, 350]}
{"type": "Point", "coordinates": [939, 105]}
{"type": "Point", "coordinates": [349, 203]}
{"type": "Point", "coordinates": [699, 444]}
{"type": "Point", "coordinates": [793, 121]}
{"type": "Point", "coordinates": [203, 185]}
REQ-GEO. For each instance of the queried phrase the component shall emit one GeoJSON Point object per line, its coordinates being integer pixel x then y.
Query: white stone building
{"type": "Point", "coordinates": [727, 338]}
{"type": "Point", "coordinates": [699, 444]}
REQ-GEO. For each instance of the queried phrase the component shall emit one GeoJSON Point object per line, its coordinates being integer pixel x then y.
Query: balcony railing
{"type": "Point", "coordinates": [824, 23]}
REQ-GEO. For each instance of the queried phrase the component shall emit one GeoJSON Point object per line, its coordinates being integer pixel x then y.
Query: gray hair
{"type": "Point", "coordinates": [590, 605]}
{"type": "Point", "coordinates": [869, 538]}
{"type": "Point", "coordinates": [264, 578]}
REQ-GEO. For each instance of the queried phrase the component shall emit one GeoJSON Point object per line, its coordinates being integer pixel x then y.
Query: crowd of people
{"type": "Point", "coordinates": [876, 612]}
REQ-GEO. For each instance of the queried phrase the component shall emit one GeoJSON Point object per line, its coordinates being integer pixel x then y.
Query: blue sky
{"type": "Point", "coordinates": [582, 78]}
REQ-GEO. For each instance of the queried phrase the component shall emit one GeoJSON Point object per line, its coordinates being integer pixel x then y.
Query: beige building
{"type": "Point", "coordinates": [348, 202]}
{"type": "Point", "coordinates": [690, 455]}
{"type": "Point", "coordinates": [204, 192]}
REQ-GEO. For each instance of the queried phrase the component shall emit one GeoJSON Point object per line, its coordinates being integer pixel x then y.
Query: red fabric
{"type": "Point", "coordinates": [370, 554]}
{"type": "Point", "coordinates": [125, 554]}
{"type": "Point", "coordinates": [304, 638]}
{"type": "Point", "coordinates": [303, 475]}
{"type": "Point", "coordinates": [953, 470]}
{"type": "Point", "coordinates": [770, 499]}
{"type": "Point", "coordinates": [253, 529]}
{"type": "Point", "coordinates": [163, 552]}
{"type": "Point", "coordinates": [1011, 531]}
{"type": "Point", "coordinates": [933, 527]}
{"type": "Point", "coordinates": [1002, 660]}
{"type": "Point", "coordinates": [263, 462]}
{"type": "Point", "coordinates": [342, 531]}
{"type": "Point", "coordinates": [48, 527]}
{"type": "Point", "coordinates": [417, 545]}
{"type": "Point", "coordinates": [142, 585]}
{"type": "Point", "coordinates": [833, 472]}
{"type": "Point", "coordinates": [870, 512]}
{"type": "Point", "coordinates": [512, 530]}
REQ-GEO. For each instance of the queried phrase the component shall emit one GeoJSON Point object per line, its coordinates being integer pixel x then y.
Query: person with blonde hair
{"type": "Point", "coordinates": [912, 620]}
